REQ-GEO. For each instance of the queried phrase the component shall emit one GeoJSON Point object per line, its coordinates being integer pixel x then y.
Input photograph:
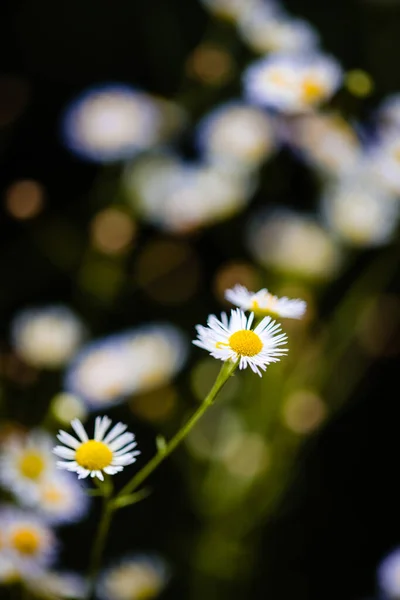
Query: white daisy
{"type": "Point", "coordinates": [102, 454]}
{"type": "Point", "coordinates": [47, 336]}
{"type": "Point", "coordinates": [232, 339]}
{"type": "Point", "coordinates": [61, 499]}
{"type": "Point", "coordinates": [137, 577]}
{"type": "Point", "coordinates": [28, 543]}
{"type": "Point", "coordinates": [25, 460]}
{"type": "Point", "coordinates": [263, 302]}
{"type": "Point", "coordinates": [292, 83]}
{"type": "Point", "coordinates": [58, 584]}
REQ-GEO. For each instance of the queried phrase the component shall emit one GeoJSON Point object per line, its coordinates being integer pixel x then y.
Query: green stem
{"type": "Point", "coordinates": [101, 536]}
{"type": "Point", "coordinates": [226, 371]}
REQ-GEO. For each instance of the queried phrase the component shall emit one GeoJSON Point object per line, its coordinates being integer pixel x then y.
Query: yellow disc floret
{"type": "Point", "coordinates": [93, 455]}
{"type": "Point", "coordinates": [32, 465]}
{"type": "Point", "coordinates": [313, 90]}
{"type": "Point", "coordinates": [245, 343]}
{"type": "Point", "coordinates": [26, 541]}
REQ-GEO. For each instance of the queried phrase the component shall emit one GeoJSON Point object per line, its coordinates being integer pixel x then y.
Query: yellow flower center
{"type": "Point", "coordinates": [93, 455]}
{"type": "Point", "coordinates": [25, 541]}
{"type": "Point", "coordinates": [270, 305]}
{"type": "Point", "coordinates": [245, 343]}
{"type": "Point", "coordinates": [312, 90]}
{"type": "Point", "coordinates": [52, 495]}
{"type": "Point", "coordinates": [32, 465]}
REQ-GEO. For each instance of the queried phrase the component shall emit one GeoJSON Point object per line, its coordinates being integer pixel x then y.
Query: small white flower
{"type": "Point", "coordinates": [265, 30]}
{"type": "Point", "coordinates": [47, 336]}
{"type": "Point", "coordinates": [232, 339]}
{"type": "Point", "coordinates": [60, 499]}
{"type": "Point", "coordinates": [137, 577]}
{"type": "Point", "coordinates": [27, 542]}
{"type": "Point", "coordinates": [58, 584]}
{"type": "Point", "coordinates": [111, 123]}
{"type": "Point", "coordinates": [236, 134]}
{"type": "Point", "coordinates": [263, 302]}
{"type": "Point", "coordinates": [292, 83]}
{"type": "Point", "coordinates": [25, 460]}
{"type": "Point", "coordinates": [105, 453]}
{"type": "Point", "coordinates": [388, 575]}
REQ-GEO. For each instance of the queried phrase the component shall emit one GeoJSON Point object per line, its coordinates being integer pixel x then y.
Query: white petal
{"type": "Point", "coordinates": [68, 439]}
{"type": "Point", "coordinates": [64, 452]}
{"type": "Point", "coordinates": [101, 426]}
{"type": "Point", "coordinates": [79, 430]}
{"type": "Point", "coordinates": [114, 432]}
{"type": "Point", "coordinates": [126, 449]}
{"type": "Point", "coordinates": [121, 441]}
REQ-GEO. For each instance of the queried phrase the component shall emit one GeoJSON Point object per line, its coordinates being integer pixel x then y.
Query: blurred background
{"type": "Point", "coordinates": [140, 178]}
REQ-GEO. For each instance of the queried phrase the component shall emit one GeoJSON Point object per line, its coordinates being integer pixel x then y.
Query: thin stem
{"type": "Point", "coordinates": [101, 536]}
{"type": "Point", "coordinates": [226, 371]}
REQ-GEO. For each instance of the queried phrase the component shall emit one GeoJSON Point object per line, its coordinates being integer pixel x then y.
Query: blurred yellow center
{"type": "Point", "coordinates": [25, 541]}
{"type": "Point", "coordinates": [245, 343]}
{"type": "Point", "coordinates": [312, 89]}
{"type": "Point", "coordinates": [32, 465]}
{"type": "Point", "coordinates": [93, 455]}
{"type": "Point", "coordinates": [52, 495]}
{"type": "Point", "coordinates": [269, 305]}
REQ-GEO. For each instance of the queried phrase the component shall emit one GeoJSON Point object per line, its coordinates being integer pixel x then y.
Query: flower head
{"type": "Point", "coordinates": [292, 83]}
{"type": "Point", "coordinates": [233, 339]}
{"type": "Point", "coordinates": [48, 336]}
{"type": "Point", "coordinates": [28, 544]}
{"type": "Point", "coordinates": [25, 461]}
{"type": "Point", "coordinates": [138, 577]}
{"type": "Point", "coordinates": [105, 453]}
{"type": "Point", "coordinates": [263, 302]}
{"type": "Point", "coordinates": [61, 499]}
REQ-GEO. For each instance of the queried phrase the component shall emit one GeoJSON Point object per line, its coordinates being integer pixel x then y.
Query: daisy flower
{"type": "Point", "coordinates": [61, 499]}
{"type": "Point", "coordinates": [263, 302]}
{"type": "Point", "coordinates": [105, 453]}
{"type": "Point", "coordinates": [25, 461]}
{"type": "Point", "coordinates": [58, 584]}
{"type": "Point", "coordinates": [232, 339]}
{"type": "Point", "coordinates": [134, 578]}
{"type": "Point", "coordinates": [292, 83]}
{"type": "Point", "coordinates": [28, 543]}
{"type": "Point", "coordinates": [48, 336]}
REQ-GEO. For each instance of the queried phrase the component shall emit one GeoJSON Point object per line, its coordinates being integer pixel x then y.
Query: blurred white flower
{"type": "Point", "coordinates": [293, 243]}
{"type": "Point", "coordinates": [111, 122]}
{"type": "Point", "coordinates": [180, 197]}
{"type": "Point", "coordinates": [266, 30]}
{"type": "Point", "coordinates": [104, 453]}
{"type": "Point", "coordinates": [230, 9]}
{"type": "Point", "coordinates": [234, 340]}
{"type": "Point", "coordinates": [292, 83]}
{"type": "Point", "coordinates": [27, 542]}
{"type": "Point", "coordinates": [26, 460]}
{"type": "Point", "coordinates": [58, 584]}
{"type": "Point", "coordinates": [383, 158]}
{"type": "Point", "coordinates": [389, 111]}
{"type": "Point", "coordinates": [137, 577]}
{"type": "Point", "coordinates": [237, 134]}
{"type": "Point", "coordinates": [65, 407]}
{"type": "Point", "coordinates": [388, 575]}
{"type": "Point", "coordinates": [359, 212]}
{"type": "Point", "coordinates": [325, 140]}
{"type": "Point", "coordinates": [48, 336]}
{"type": "Point", "coordinates": [107, 371]}
{"type": "Point", "coordinates": [61, 499]}
{"type": "Point", "coordinates": [262, 302]}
